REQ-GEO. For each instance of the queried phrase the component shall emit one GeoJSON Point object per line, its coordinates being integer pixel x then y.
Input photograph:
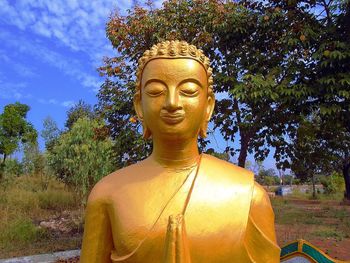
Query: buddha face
{"type": "Point", "coordinates": [174, 99]}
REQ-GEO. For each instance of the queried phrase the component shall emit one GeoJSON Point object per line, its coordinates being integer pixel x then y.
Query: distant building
{"type": "Point", "coordinates": [284, 190]}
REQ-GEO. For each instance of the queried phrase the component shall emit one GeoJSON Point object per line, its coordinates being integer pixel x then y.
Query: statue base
{"type": "Point", "coordinates": [301, 251]}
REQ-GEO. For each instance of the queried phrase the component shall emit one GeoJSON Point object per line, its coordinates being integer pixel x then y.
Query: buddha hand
{"type": "Point", "coordinates": [176, 247]}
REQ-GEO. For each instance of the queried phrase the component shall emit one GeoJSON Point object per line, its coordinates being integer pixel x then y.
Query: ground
{"type": "Point", "coordinates": [38, 214]}
{"type": "Point", "coordinates": [323, 223]}
{"type": "Point", "coordinates": [41, 215]}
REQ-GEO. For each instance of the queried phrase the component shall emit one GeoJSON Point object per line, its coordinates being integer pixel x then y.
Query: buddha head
{"type": "Point", "coordinates": [174, 91]}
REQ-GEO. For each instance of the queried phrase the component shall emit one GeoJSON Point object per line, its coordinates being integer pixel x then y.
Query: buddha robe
{"type": "Point", "coordinates": [228, 218]}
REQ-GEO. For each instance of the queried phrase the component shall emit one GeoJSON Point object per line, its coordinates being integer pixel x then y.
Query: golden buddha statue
{"type": "Point", "coordinates": [178, 205]}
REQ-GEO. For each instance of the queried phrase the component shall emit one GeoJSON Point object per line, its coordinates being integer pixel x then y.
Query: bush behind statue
{"type": "Point", "coordinates": [82, 156]}
{"type": "Point", "coordinates": [11, 169]}
{"type": "Point", "coordinates": [333, 183]}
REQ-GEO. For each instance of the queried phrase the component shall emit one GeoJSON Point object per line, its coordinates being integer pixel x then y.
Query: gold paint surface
{"type": "Point", "coordinates": [177, 205]}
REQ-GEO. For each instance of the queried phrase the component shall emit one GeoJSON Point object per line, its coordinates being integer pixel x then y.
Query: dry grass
{"type": "Point", "coordinates": [323, 222]}
{"type": "Point", "coordinates": [27, 200]}
{"type": "Point", "coordinates": [24, 203]}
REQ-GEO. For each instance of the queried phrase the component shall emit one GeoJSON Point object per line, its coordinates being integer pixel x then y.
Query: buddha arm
{"type": "Point", "coordinates": [97, 240]}
{"type": "Point", "coordinates": [260, 238]}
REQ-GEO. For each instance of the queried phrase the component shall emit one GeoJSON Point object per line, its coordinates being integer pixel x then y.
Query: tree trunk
{"type": "Point", "coordinates": [313, 186]}
{"type": "Point", "coordinates": [4, 158]}
{"type": "Point", "coordinates": [346, 174]}
{"type": "Point", "coordinates": [2, 167]}
{"type": "Point", "coordinates": [243, 152]}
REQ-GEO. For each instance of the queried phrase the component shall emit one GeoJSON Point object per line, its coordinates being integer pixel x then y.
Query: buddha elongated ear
{"type": "Point", "coordinates": [146, 133]}
{"type": "Point", "coordinates": [209, 112]}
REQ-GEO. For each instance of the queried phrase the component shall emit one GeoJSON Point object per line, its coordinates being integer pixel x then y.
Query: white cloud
{"type": "Point", "coordinates": [10, 90]}
{"type": "Point", "coordinates": [14, 91]}
{"type": "Point", "coordinates": [4, 57]}
{"type": "Point", "coordinates": [78, 25]}
{"type": "Point", "coordinates": [23, 70]}
{"type": "Point", "coordinates": [70, 66]}
{"type": "Point", "coordinates": [68, 103]}
{"type": "Point", "coordinates": [40, 28]}
{"type": "Point", "coordinates": [52, 101]}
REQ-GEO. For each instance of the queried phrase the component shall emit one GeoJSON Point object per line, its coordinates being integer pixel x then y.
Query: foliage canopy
{"type": "Point", "coordinates": [276, 64]}
{"type": "Point", "coordinates": [81, 157]}
{"type": "Point", "coordinates": [14, 129]}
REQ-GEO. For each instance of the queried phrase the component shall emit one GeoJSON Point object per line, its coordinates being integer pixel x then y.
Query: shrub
{"type": "Point", "coordinates": [9, 171]}
{"type": "Point", "coordinates": [27, 194]}
{"type": "Point", "coordinates": [13, 167]}
{"type": "Point", "coordinates": [31, 183]}
{"type": "Point", "coordinates": [81, 156]}
{"type": "Point", "coordinates": [21, 230]}
{"type": "Point", "coordinates": [33, 161]}
{"type": "Point", "coordinates": [56, 199]}
{"type": "Point", "coordinates": [333, 184]}
{"type": "Point", "coordinates": [21, 199]}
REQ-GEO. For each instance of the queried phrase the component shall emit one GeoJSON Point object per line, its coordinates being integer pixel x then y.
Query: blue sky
{"type": "Point", "coordinates": [49, 53]}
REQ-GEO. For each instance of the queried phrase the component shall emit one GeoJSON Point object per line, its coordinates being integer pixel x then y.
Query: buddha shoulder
{"type": "Point", "coordinates": [223, 172]}
{"type": "Point", "coordinates": [109, 186]}
{"type": "Point", "coordinates": [139, 177]}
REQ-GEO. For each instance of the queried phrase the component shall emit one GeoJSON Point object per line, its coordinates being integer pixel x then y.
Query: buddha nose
{"type": "Point", "coordinates": [172, 102]}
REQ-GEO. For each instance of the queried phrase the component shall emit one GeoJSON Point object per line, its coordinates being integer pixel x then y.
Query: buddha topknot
{"type": "Point", "coordinates": [175, 49]}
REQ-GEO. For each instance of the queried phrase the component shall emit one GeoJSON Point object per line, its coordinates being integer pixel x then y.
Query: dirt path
{"type": "Point", "coordinates": [325, 224]}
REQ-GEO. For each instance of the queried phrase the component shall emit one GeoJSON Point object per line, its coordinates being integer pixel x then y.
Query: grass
{"type": "Point", "coordinates": [56, 200]}
{"type": "Point", "coordinates": [21, 231]}
{"type": "Point", "coordinates": [33, 193]}
{"type": "Point", "coordinates": [320, 218]}
{"type": "Point", "coordinates": [324, 222]}
{"type": "Point", "coordinates": [25, 201]}
{"type": "Point", "coordinates": [329, 232]}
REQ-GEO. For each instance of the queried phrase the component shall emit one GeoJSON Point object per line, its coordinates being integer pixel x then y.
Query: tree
{"type": "Point", "coordinates": [14, 129]}
{"type": "Point", "coordinates": [261, 57]}
{"type": "Point", "coordinates": [50, 132]}
{"type": "Point", "coordinates": [33, 161]}
{"type": "Point", "coordinates": [331, 89]}
{"type": "Point", "coordinates": [115, 105]}
{"type": "Point", "coordinates": [328, 97]}
{"type": "Point", "coordinates": [12, 169]}
{"type": "Point", "coordinates": [257, 53]}
{"type": "Point", "coordinates": [82, 156]}
{"type": "Point", "coordinates": [267, 176]}
{"type": "Point", "coordinates": [332, 184]}
{"type": "Point", "coordinates": [340, 144]}
{"type": "Point", "coordinates": [310, 156]}
{"type": "Point", "coordinates": [79, 110]}
{"type": "Point", "coordinates": [337, 138]}
{"type": "Point", "coordinates": [277, 62]}
{"type": "Point", "coordinates": [223, 156]}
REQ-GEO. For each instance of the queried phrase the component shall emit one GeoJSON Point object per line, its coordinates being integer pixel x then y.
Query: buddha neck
{"type": "Point", "coordinates": [175, 154]}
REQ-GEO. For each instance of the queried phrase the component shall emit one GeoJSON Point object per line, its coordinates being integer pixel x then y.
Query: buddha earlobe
{"type": "Point", "coordinates": [146, 133]}
{"type": "Point", "coordinates": [203, 130]}
{"type": "Point", "coordinates": [204, 126]}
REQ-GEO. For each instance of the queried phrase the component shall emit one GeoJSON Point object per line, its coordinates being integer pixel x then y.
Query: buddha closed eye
{"type": "Point", "coordinates": [155, 88]}
{"type": "Point", "coordinates": [189, 89]}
